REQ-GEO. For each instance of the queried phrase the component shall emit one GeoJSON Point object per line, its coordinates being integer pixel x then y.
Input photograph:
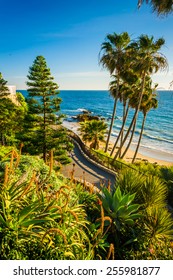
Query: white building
{"type": "Point", "coordinates": [12, 89]}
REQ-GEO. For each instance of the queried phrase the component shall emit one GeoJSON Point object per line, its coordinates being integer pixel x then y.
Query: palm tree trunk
{"type": "Point", "coordinates": [130, 141]}
{"type": "Point", "coordinates": [111, 125]}
{"type": "Point", "coordinates": [135, 115]}
{"type": "Point", "coordinates": [121, 140]}
{"type": "Point", "coordinates": [127, 134]}
{"type": "Point", "coordinates": [96, 143]}
{"type": "Point", "coordinates": [113, 116]}
{"type": "Point", "coordinates": [140, 137]}
{"type": "Point", "coordinates": [121, 131]}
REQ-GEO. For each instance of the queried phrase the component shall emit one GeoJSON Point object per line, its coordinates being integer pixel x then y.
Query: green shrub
{"type": "Point", "coordinates": [150, 190]}
{"type": "Point", "coordinates": [5, 150]}
{"type": "Point", "coordinates": [44, 216]}
{"type": "Point", "coordinates": [40, 217]}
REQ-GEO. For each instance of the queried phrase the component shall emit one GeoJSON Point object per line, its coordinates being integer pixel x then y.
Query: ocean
{"type": "Point", "coordinates": [157, 140]}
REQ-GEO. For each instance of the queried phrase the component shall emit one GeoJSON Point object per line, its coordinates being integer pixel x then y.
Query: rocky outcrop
{"type": "Point", "coordinates": [87, 116]}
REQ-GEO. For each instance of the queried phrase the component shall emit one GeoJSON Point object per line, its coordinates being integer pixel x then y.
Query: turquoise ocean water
{"type": "Point", "coordinates": [157, 138]}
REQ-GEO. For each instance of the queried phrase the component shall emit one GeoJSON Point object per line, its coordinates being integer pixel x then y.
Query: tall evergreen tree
{"type": "Point", "coordinates": [4, 91]}
{"type": "Point", "coordinates": [43, 124]}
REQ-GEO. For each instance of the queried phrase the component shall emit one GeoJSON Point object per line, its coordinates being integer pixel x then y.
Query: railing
{"type": "Point", "coordinates": [89, 154]}
{"type": "Point", "coordinates": [111, 163]}
{"type": "Point", "coordinates": [99, 158]}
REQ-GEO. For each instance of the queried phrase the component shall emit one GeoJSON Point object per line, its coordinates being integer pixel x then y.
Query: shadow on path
{"type": "Point", "coordinates": [93, 173]}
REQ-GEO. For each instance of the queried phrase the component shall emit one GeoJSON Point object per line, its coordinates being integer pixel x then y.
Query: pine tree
{"type": "Point", "coordinates": [4, 91]}
{"type": "Point", "coordinates": [44, 131]}
{"type": "Point", "coordinates": [11, 121]}
{"type": "Point", "coordinates": [11, 116]}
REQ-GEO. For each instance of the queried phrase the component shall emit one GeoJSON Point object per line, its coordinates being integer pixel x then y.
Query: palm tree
{"type": "Point", "coordinates": [149, 102]}
{"type": "Point", "coordinates": [113, 58]}
{"type": "Point", "coordinates": [93, 131]}
{"type": "Point", "coordinates": [121, 98]}
{"type": "Point", "coordinates": [146, 60]}
{"type": "Point", "coordinates": [127, 90]}
{"type": "Point", "coordinates": [161, 7]}
{"type": "Point", "coordinates": [133, 102]}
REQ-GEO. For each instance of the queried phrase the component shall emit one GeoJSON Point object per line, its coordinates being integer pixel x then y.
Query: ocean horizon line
{"type": "Point", "coordinates": [169, 90]}
{"type": "Point", "coordinates": [74, 89]}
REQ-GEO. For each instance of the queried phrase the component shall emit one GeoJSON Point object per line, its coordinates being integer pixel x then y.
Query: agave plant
{"type": "Point", "coordinates": [123, 214]}
{"type": "Point", "coordinates": [119, 207]}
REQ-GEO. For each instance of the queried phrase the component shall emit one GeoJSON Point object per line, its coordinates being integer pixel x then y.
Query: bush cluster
{"type": "Point", "coordinates": [45, 216]}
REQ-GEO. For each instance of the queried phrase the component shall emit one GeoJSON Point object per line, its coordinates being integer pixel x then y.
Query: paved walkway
{"type": "Point", "coordinates": [84, 169]}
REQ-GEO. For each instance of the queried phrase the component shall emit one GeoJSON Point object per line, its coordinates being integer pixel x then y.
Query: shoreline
{"type": "Point", "coordinates": [144, 154]}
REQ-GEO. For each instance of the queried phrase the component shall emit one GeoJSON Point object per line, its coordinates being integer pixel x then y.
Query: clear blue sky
{"type": "Point", "coordinates": [69, 34]}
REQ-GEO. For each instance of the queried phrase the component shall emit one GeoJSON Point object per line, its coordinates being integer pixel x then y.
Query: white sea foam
{"type": "Point", "coordinates": [82, 110]}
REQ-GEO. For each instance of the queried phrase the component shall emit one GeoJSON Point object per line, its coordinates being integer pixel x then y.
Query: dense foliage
{"type": "Point", "coordinates": [40, 218]}
{"type": "Point", "coordinates": [4, 91]}
{"type": "Point", "coordinates": [11, 119]}
{"type": "Point", "coordinates": [45, 216]}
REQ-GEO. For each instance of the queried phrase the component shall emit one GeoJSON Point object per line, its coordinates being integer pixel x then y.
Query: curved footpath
{"type": "Point", "coordinates": [87, 169]}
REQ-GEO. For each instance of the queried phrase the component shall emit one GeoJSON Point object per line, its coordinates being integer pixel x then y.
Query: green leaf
{"type": "Point", "coordinates": [132, 240]}
{"type": "Point", "coordinates": [36, 221]}
{"type": "Point", "coordinates": [2, 221]}
{"type": "Point", "coordinates": [118, 193]}
{"type": "Point", "coordinates": [28, 210]}
{"type": "Point", "coordinates": [121, 211]}
{"type": "Point", "coordinates": [115, 202]}
{"type": "Point", "coordinates": [108, 195]}
{"type": "Point", "coordinates": [135, 216]}
{"type": "Point", "coordinates": [69, 254]}
{"type": "Point", "coordinates": [129, 222]}
{"type": "Point", "coordinates": [127, 199]}
{"type": "Point", "coordinates": [132, 208]}
{"type": "Point", "coordinates": [131, 198]}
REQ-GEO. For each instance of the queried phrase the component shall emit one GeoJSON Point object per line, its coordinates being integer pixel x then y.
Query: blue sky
{"type": "Point", "coordinates": [69, 35]}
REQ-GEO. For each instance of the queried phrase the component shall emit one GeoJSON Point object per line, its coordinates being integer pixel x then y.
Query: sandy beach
{"type": "Point", "coordinates": [156, 156]}
{"type": "Point", "coordinates": [145, 154]}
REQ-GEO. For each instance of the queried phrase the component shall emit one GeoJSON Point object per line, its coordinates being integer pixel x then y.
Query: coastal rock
{"type": "Point", "coordinates": [84, 111]}
{"type": "Point", "coordinates": [86, 117]}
